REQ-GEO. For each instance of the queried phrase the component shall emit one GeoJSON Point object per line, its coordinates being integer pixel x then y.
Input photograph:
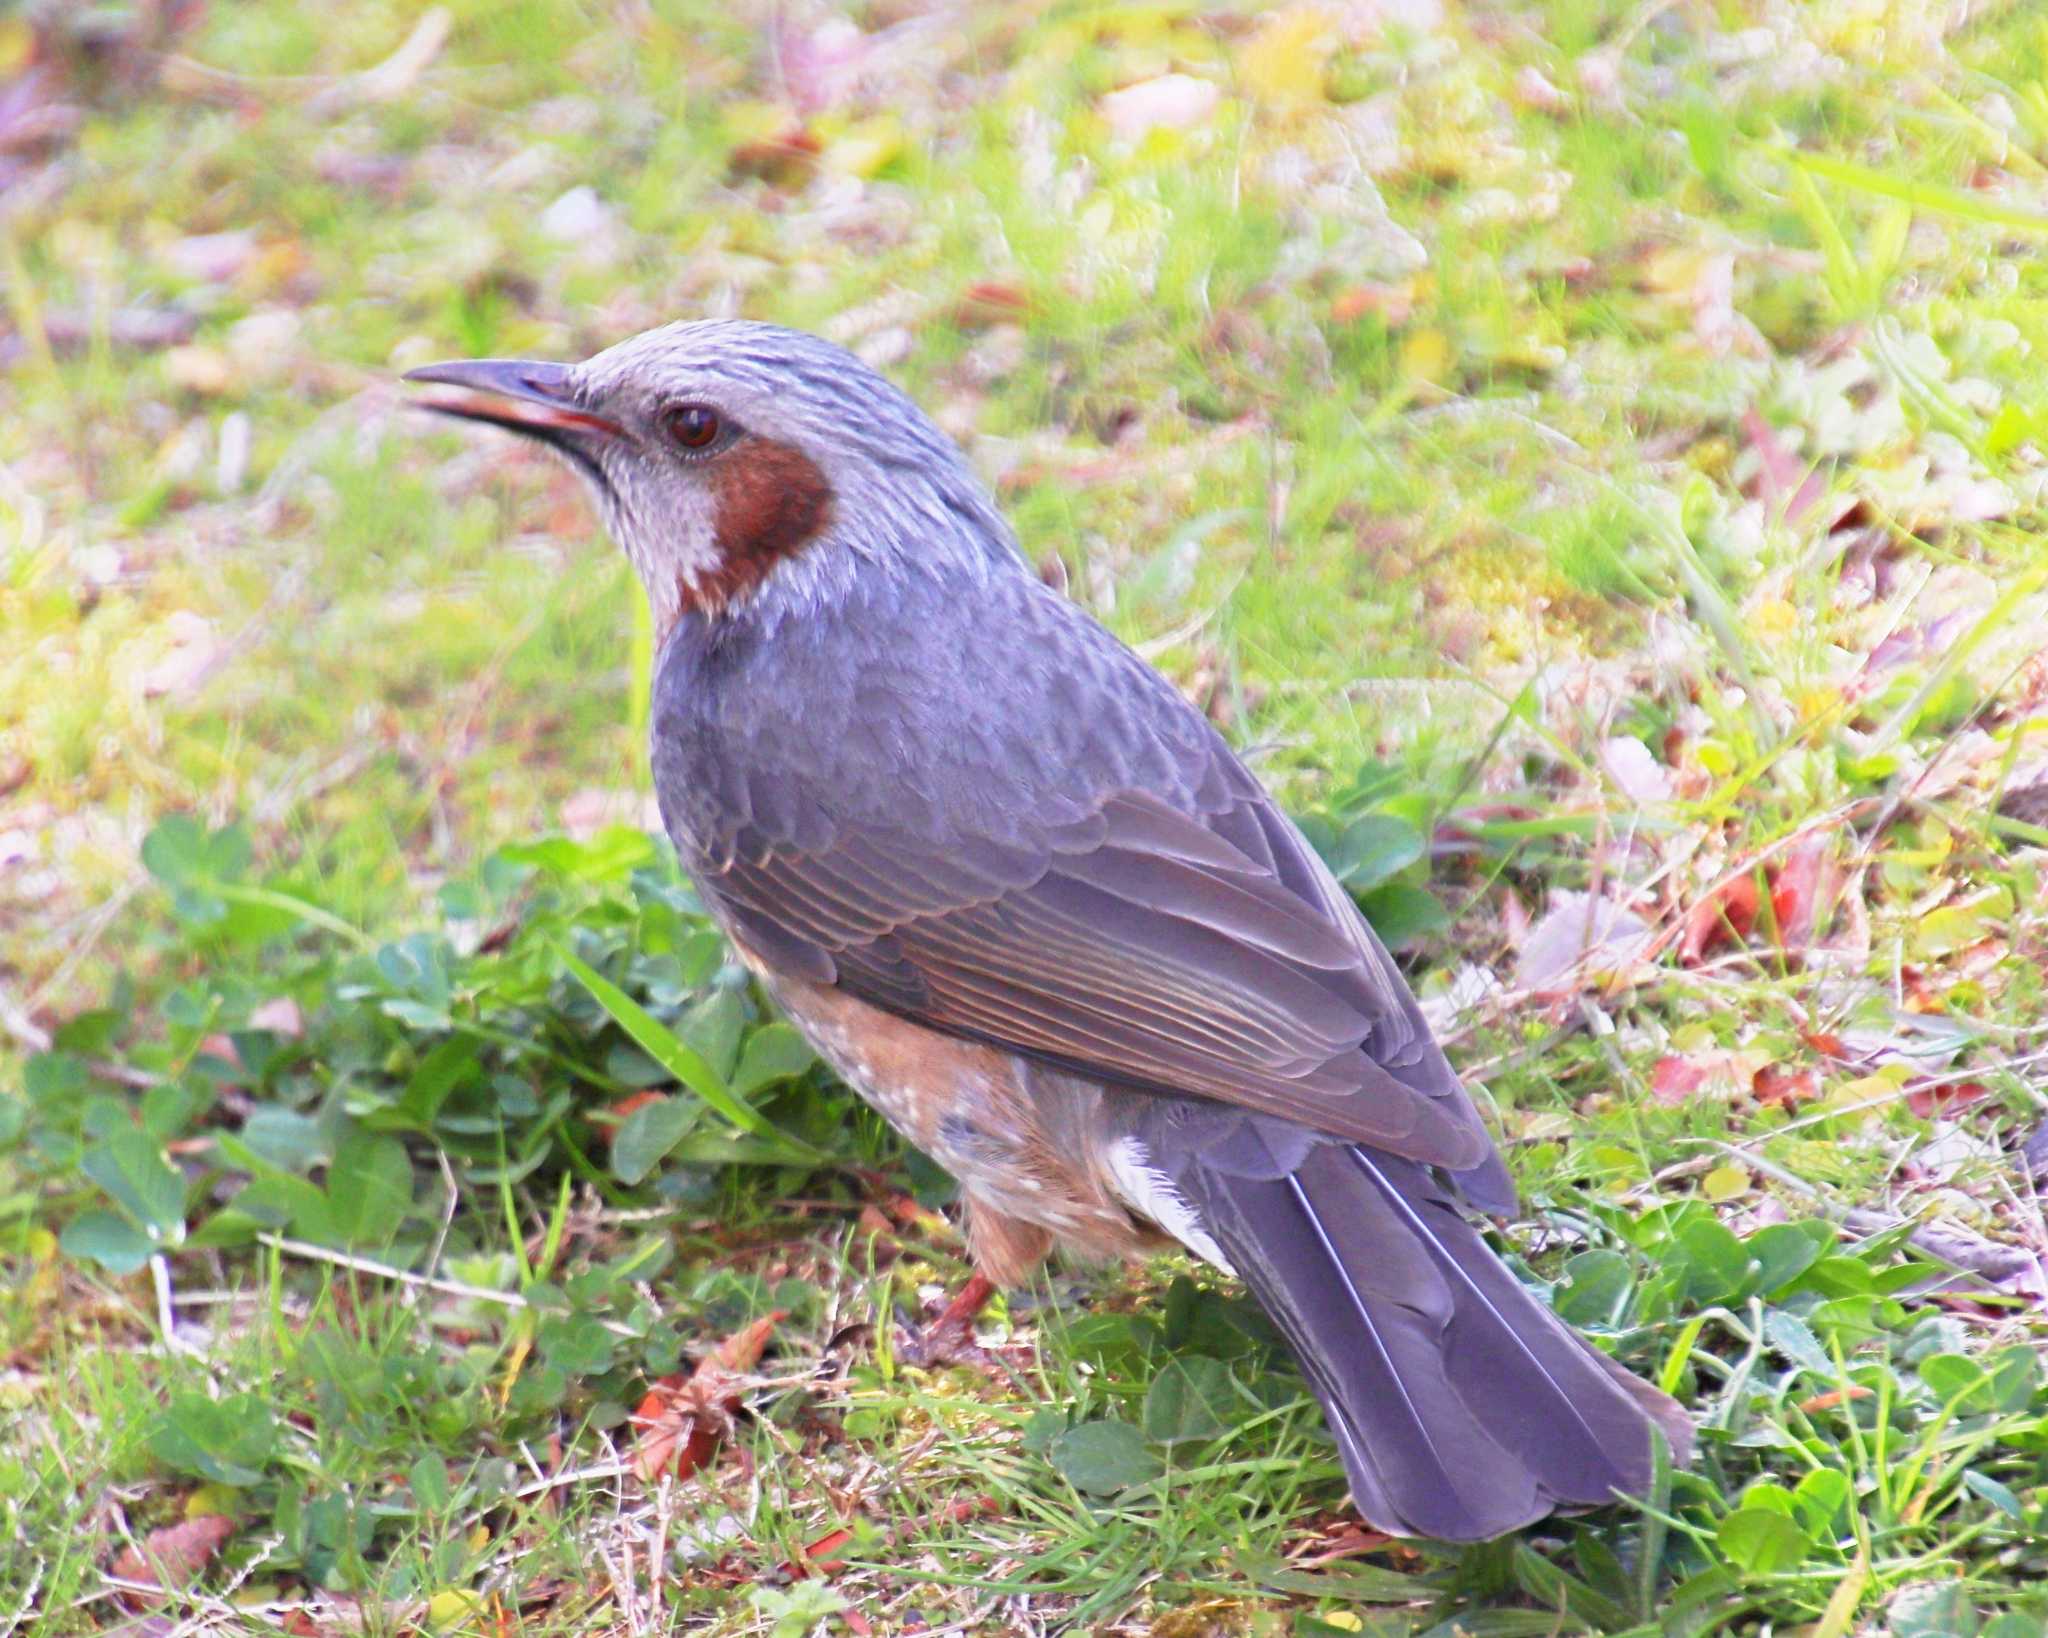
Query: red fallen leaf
{"type": "Point", "coordinates": [1727, 913]}
{"type": "Point", "coordinates": [1945, 1097]}
{"type": "Point", "coordinates": [172, 1556]}
{"type": "Point", "coordinates": [1346, 1541]}
{"type": "Point", "coordinates": [1827, 1045]}
{"type": "Point", "coordinates": [1674, 1079]}
{"type": "Point", "coordinates": [989, 302]}
{"type": "Point", "coordinates": [1786, 1087]}
{"type": "Point", "coordinates": [1803, 892]}
{"type": "Point", "coordinates": [1919, 992]}
{"type": "Point", "coordinates": [1777, 472]}
{"type": "Point", "coordinates": [1780, 481]}
{"type": "Point", "coordinates": [1394, 304]}
{"type": "Point", "coordinates": [614, 1115]}
{"type": "Point", "coordinates": [911, 1215]}
{"type": "Point", "coordinates": [821, 1556]}
{"type": "Point", "coordinates": [976, 1507]}
{"type": "Point", "coordinates": [783, 159]}
{"type": "Point", "coordinates": [498, 937]}
{"type": "Point", "coordinates": [682, 1418]}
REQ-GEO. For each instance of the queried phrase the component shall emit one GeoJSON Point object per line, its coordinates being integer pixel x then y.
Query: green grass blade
{"type": "Point", "coordinates": [1921, 195]}
{"type": "Point", "coordinates": [681, 1060]}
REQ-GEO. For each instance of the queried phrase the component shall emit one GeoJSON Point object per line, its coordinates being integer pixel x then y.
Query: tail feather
{"type": "Point", "coordinates": [1463, 1408]}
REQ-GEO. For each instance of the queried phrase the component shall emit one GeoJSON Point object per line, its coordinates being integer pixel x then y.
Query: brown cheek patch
{"type": "Point", "coordinates": [771, 502]}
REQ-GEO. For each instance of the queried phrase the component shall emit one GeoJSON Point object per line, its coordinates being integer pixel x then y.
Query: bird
{"type": "Point", "coordinates": [1028, 902]}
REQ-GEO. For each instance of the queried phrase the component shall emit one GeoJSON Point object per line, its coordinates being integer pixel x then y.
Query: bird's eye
{"type": "Point", "coordinates": [693, 425]}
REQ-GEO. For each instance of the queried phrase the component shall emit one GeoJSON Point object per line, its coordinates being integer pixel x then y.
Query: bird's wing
{"type": "Point", "coordinates": [1140, 946]}
{"type": "Point", "coordinates": [1107, 889]}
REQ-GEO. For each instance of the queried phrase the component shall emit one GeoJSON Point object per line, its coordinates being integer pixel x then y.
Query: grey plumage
{"type": "Point", "coordinates": [917, 785]}
{"type": "Point", "coordinates": [969, 803]}
{"type": "Point", "coordinates": [1462, 1407]}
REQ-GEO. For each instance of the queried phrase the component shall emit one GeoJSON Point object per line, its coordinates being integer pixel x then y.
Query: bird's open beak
{"type": "Point", "coordinates": [517, 394]}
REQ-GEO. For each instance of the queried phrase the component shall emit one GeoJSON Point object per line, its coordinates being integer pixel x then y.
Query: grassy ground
{"type": "Point", "coordinates": [1589, 455]}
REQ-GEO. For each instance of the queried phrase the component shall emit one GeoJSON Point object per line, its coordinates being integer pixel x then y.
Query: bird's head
{"type": "Point", "coordinates": [732, 457]}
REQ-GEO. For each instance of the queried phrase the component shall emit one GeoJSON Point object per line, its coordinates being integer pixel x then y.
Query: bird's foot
{"type": "Point", "coordinates": [949, 1339]}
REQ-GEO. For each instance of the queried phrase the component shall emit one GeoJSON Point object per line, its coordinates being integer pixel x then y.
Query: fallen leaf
{"type": "Point", "coordinates": [1282, 63]}
{"type": "Point", "coordinates": [1339, 1539]}
{"type": "Point", "coordinates": [1534, 91]}
{"type": "Point", "coordinates": [1425, 356]}
{"type": "Point", "coordinates": [820, 1556]}
{"type": "Point", "coordinates": [989, 302]}
{"type": "Point", "coordinates": [1599, 75]}
{"type": "Point", "coordinates": [1631, 766]}
{"type": "Point", "coordinates": [200, 369]}
{"type": "Point", "coordinates": [907, 1212]}
{"type": "Point", "coordinates": [820, 65]}
{"type": "Point", "coordinates": [1674, 1079]}
{"type": "Point", "coordinates": [865, 148]}
{"type": "Point", "coordinates": [1803, 892]}
{"type": "Point", "coordinates": [783, 158]}
{"type": "Point", "coordinates": [1945, 1097]}
{"type": "Point", "coordinates": [1728, 913]}
{"type": "Point", "coordinates": [616, 1113]}
{"type": "Point", "coordinates": [453, 1607]}
{"type": "Point", "coordinates": [1858, 1101]}
{"type": "Point", "coordinates": [682, 1419]}
{"type": "Point", "coordinates": [1952, 927]}
{"type": "Point", "coordinates": [1781, 483]}
{"type": "Point", "coordinates": [173, 1555]}
{"type": "Point", "coordinates": [1785, 1088]}
{"type": "Point", "coordinates": [1394, 303]}
{"type": "Point", "coordinates": [1174, 102]}
{"type": "Point", "coordinates": [1727, 1073]}
{"type": "Point", "coordinates": [575, 216]}
{"type": "Point", "coordinates": [1716, 325]}
{"type": "Point", "coordinates": [189, 651]}
{"type": "Point", "coordinates": [1580, 932]}
{"type": "Point", "coordinates": [1724, 1183]}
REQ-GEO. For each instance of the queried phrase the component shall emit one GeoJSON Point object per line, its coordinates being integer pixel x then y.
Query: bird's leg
{"type": "Point", "coordinates": [1005, 1249]}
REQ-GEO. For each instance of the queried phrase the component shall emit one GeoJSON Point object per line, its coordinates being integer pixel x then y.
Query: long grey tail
{"type": "Point", "coordinates": [1463, 1407]}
